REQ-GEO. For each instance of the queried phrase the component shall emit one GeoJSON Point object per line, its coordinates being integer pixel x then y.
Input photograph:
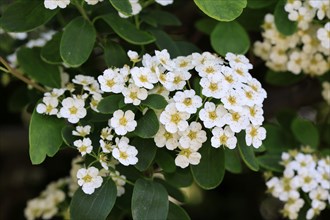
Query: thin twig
{"type": "Point", "coordinates": [20, 76]}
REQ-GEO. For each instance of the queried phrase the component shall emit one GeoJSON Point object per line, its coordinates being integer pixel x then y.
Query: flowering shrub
{"type": "Point", "coordinates": [304, 175]}
{"type": "Point", "coordinates": [148, 111]}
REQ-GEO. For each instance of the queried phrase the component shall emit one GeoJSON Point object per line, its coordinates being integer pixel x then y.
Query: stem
{"type": "Point", "coordinates": [20, 76]}
{"type": "Point", "coordinates": [82, 12]}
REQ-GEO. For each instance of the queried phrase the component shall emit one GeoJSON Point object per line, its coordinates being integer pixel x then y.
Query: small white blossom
{"type": "Point", "coordinates": [82, 131]}
{"type": "Point", "coordinates": [255, 135]}
{"type": "Point", "coordinates": [134, 94]}
{"type": "Point", "coordinates": [123, 122]}
{"type": "Point", "coordinates": [52, 4]}
{"type": "Point", "coordinates": [133, 56]}
{"type": "Point", "coordinates": [112, 81]}
{"type": "Point", "coordinates": [187, 101]}
{"type": "Point", "coordinates": [89, 179]}
{"type": "Point", "coordinates": [193, 137]}
{"type": "Point", "coordinates": [224, 137]}
{"type": "Point", "coordinates": [173, 119]}
{"type": "Point", "coordinates": [186, 157]}
{"type": "Point", "coordinates": [73, 109]}
{"type": "Point", "coordinates": [93, 2]}
{"type": "Point", "coordinates": [212, 115]}
{"type": "Point", "coordinates": [84, 146]}
{"type": "Point", "coordinates": [119, 181]}
{"type": "Point", "coordinates": [165, 138]}
{"type": "Point", "coordinates": [48, 106]}
{"type": "Point", "coordinates": [125, 153]}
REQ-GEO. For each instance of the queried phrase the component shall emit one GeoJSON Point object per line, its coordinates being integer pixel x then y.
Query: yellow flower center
{"type": "Point", "coordinates": [175, 118]}
{"type": "Point", "coordinates": [235, 116]}
{"type": "Point", "coordinates": [168, 135]}
{"type": "Point", "coordinates": [213, 115]}
{"type": "Point", "coordinates": [73, 110]}
{"type": "Point", "coordinates": [123, 121]}
{"type": "Point", "coordinates": [110, 83]}
{"type": "Point", "coordinates": [229, 79]}
{"type": "Point", "coordinates": [187, 101]}
{"type": "Point", "coordinates": [248, 95]}
{"type": "Point", "coordinates": [253, 132]}
{"type": "Point", "coordinates": [49, 108]}
{"type": "Point", "coordinates": [183, 64]}
{"type": "Point", "coordinates": [177, 80]}
{"type": "Point", "coordinates": [133, 95]}
{"type": "Point", "coordinates": [185, 152]}
{"type": "Point", "coordinates": [223, 139]}
{"type": "Point", "coordinates": [123, 155]}
{"type": "Point", "coordinates": [210, 70]}
{"type": "Point", "coordinates": [192, 135]}
{"type": "Point", "coordinates": [252, 111]}
{"type": "Point", "coordinates": [213, 87]}
{"type": "Point", "coordinates": [87, 178]}
{"type": "Point", "coordinates": [143, 78]}
{"type": "Point", "coordinates": [232, 100]}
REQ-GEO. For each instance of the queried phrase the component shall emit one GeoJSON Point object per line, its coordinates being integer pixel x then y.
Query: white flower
{"type": "Point", "coordinates": [125, 153]}
{"type": "Point", "coordinates": [95, 100]}
{"type": "Point", "coordinates": [183, 63]}
{"type": "Point", "coordinates": [112, 81]}
{"type": "Point", "coordinates": [173, 119]}
{"type": "Point", "coordinates": [82, 131]}
{"type": "Point", "coordinates": [255, 135]}
{"type": "Point", "coordinates": [209, 69]}
{"type": "Point", "coordinates": [165, 138]}
{"type": "Point", "coordinates": [238, 61]}
{"type": "Point", "coordinates": [133, 56]}
{"type": "Point", "coordinates": [134, 94]}
{"type": "Point", "coordinates": [163, 57]}
{"type": "Point", "coordinates": [136, 8]}
{"type": "Point", "coordinates": [186, 157]}
{"type": "Point", "coordinates": [164, 2]}
{"type": "Point", "coordinates": [187, 101]}
{"type": "Point", "coordinates": [143, 77]}
{"type": "Point", "coordinates": [48, 106]}
{"type": "Point", "coordinates": [83, 80]}
{"type": "Point", "coordinates": [176, 80]}
{"type": "Point", "coordinates": [106, 146]}
{"type": "Point", "coordinates": [55, 93]}
{"type": "Point", "coordinates": [214, 87]}
{"type": "Point", "coordinates": [233, 100]}
{"type": "Point", "coordinates": [89, 179]}
{"type": "Point", "coordinates": [255, 114]}
{"type": "Point", "coordinates": [52, 4]}
{"type": "Point", "coordinates": [84, 146]}
{"type": "Point", "coordinates": [237, 121]}
{"type": "Point", "coordinates": [73, 109]}
{"type": "Point", "coordinates": [123, 122]}
{"type": "Point", "coordinates": [119, 181]}
{"type": "Point", "coordinates": [93, 88]}
{"type": "Point", "coordinates": [323, 34]}
{"type": "Point", "coordinates": [106, 134]}
{"type": "Point", "coordinates": [103, 159]}
{"type": "Point", "coordinates": [224, 137]}
{"type": "Point", "coordinates": [93, 2]}
{"type": "Point", "coordinates": [193, 137]}
{"type": "Point", "coordinates": [212, 115]}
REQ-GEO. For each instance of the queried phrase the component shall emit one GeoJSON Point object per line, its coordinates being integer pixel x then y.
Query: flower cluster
{"type": "Point", "coordinates": [306, 50]}
{"type": "Point", "coordinates": [46, 206]}
{"type": "Point", "coordinates": [224, 99]}
{"type": "Point", "coordinates": [53, 4]}
{"type": "Point", "coordinates": [303, 174]}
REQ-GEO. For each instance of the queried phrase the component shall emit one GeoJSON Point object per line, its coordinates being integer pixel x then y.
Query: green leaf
{"type": "Point", "coordinates": [255, 4]}
{"type": "Point", "coordinates": [50, 53]}
{"type": "Point", "coordinates": [18, 99]}
{"type": "Point", "coordinates": [206, 25]}
{"type": "Point", "coordinates": [209, 173]}
{"type": "Point", "coordinates": [230, 37]}
{"type": "Point", "coordinates": [164, 18]}
{"type": "Point", "coordinates": [77, 42]}
{"type": "Point", "coordinates": [247, 152]}
{"type": "Point", "coordinates": [109, 104]}
{"type": "Point", "coordinates": [147, 151]}
{"type": "Point", "coordinates": [147, 125]}
{"type": "Point", "coordinates": [282, 78]}
{"type": "Point", "coordinates": [67, 136]}
{"type": "Point", "coordinates": [149, 200]}
{"type": "Point", "coordinates": [114, 54]}
{"type": "Point", "coordinates": [282, 22]}
{"type": "Point", "coordinates": [23, 16]}
{"type": "Point", "coordinates": [221, 10]}
{"type": "Point", "coordinates": [271, 162]}
{"type": "Point", "coordinates": [276, 140]}
{"type": "Point", "coordinates": [172, 191]}
{"type": "Point", "coordinates": [186, 48]}
{"type": "Point", "coordinates": [95, 206]}
{"type": "Point", "coordinates": [123, 6]}
{"type": "Point", "coordinates": [232, 161]}
{"type": "Point", "coordinates": [164, 41]}
{"type": "Point", "coordinates": [176, 212]}
{"type": "Point", "coordinates": [127, 30]}
{"type": "Point", "coordinates": [305, 132]}
{"type": "Point", "coordinates": [32, 64]}
{"type": "Point", "coordinates": [180, 178]}
{"type": "Point", "coordinates": [248, 15]}
{"type": "Point", "coordinates": [165, 161]}
{"type": "Point", "coordinates": [155, 101]}
{"type": "Point", "coordinates": [44, 136]}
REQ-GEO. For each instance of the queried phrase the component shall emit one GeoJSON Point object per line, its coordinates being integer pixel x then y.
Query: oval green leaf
{"type": "Point", "coordinates": [147, 125]}
{"type": "Point", "coordinates": [165, 161]}
{"type": "Point", "coordinates": [77, 42]}
{"type": "Point", "coordinates": [305, 132]}
{"type": "Point", "coordinates": [123, 6]}
{"type": "Point", "coordinates": [209, 173]}
{"type": "Point", "coordinates": [247, 153]}
{"type": "Point", "coordinates": [282, 22]}
{"type": "Point", "coordinates": [50, 53]}
{"type": "Point", "coordinates": [23, 16]}
{"type": "Point", "coordinates": [147, 151]}
{"type": "Point", "coordinates": [282, 78]}
{"type": "Point", "coordinates": [155, 101]}
{"type": "Point", "coordinates": [114, 54]}
{"type": "Point", "coordinates": [172, 191]}
{"type": "Point", "coordinates": [164, 41]}
{"type": "Point", "coordinates": [149, 201]}
{"type": "Point", "coordinates": [232, 161]}
{"type": "Point", "coordinates": [164, 18]}
{"type": "Point", "coordinates": [95, 206]}
{"type": "Point", "coordinates": [32, 64]}
{"type": "Point", "coordinates": [271, 162]}
{"type": "Point", "coordinates": [221, 10]}
{"type": "Point", "coordinates": [206, 25]}
{"type": "Point", "coordinates": [180, 178]}
{"type": "Point", "coordinates": [110, 104]}
{"type": "Point", "coordinates": [176, 212]}
{"type": "Point", "coordinates": [230, 37]}
{"type": "Point", "coordinates": [44, 136]}
{"type": "Point", "coordinates": [256, 4]}
{"type": "Point", "coordinates": [127, 30]}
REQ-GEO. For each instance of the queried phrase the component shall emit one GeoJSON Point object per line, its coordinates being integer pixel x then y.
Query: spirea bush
{"type": "Point", "coordinates": [147, 110]}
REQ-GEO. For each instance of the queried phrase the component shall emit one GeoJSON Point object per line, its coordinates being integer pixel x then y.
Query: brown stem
{"type": "Point", "coordinates": [20, 76]}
